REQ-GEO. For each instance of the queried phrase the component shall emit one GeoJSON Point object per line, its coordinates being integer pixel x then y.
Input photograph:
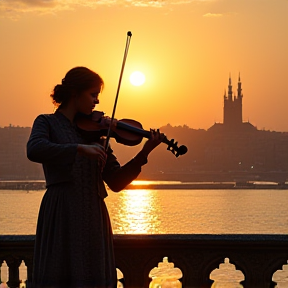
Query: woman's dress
{"type": "Point", "coordinates": [74, 241]}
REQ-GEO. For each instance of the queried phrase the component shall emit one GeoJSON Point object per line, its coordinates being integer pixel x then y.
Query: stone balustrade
{"type": "Point", "coordinates": [256, 258]}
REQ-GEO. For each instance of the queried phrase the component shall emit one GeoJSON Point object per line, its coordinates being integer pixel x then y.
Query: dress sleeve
{"type": "Point", "coordinates": [117, 177]}
{"type": "Point", "coordinates": [41, 149]}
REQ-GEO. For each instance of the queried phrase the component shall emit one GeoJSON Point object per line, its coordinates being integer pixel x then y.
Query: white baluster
{"type": "Point", "coordinates": [119, 277]}
{"type": "Point", "coordinates": [226, 276]}
{"type": "Point", "coordinates": [281, 277]}
{"type": "Point", "coordinates": [22, 275]}
{"type": "Point", "coordinates": [165, 275]}
{"type": "Point", "coordinates": [4, 274]}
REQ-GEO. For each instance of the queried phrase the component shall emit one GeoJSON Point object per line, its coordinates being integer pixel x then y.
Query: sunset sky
{"type": "Point", "coordinates": [186, 49]}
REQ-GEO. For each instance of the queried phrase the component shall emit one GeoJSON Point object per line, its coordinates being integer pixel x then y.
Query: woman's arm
{"type": "Point", "coordinates": [118, 177]}
{"type": "Point", "coordinates": [40, 148]}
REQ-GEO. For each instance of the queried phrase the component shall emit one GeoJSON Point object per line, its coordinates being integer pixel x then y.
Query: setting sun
{"type": "Point", "coordinates": [137, 78]}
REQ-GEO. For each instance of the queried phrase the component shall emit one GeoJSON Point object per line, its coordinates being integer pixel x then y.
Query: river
{"type": "Point", "coordinates": [167, 211]}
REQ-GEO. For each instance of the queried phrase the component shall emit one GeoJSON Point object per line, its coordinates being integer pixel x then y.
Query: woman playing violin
{"type": "Point", "coordinates": [74, 242]}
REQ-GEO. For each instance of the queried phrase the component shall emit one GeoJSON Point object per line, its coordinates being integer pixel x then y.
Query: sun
{"type": "Point", "coordinates": [137, 78]}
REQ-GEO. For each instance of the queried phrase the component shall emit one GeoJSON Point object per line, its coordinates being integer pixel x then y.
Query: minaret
{"type": "Point", "coordinates": [228, 102]}
{"type": "Point", "coordinates": [239, 90]}
{"type": "Point", "coordinates": [239, 101]}
{"type": "Point", "coordinates": [230, 88]}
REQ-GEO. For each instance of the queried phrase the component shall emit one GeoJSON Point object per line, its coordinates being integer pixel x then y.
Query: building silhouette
{"type": "Point", "coordinates": [232, 111]}
{"type": "Point", "coordinates": [232, 116]}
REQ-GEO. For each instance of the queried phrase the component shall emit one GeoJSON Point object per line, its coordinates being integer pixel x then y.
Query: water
{"type": "Point", "coordinates": [167, 211]}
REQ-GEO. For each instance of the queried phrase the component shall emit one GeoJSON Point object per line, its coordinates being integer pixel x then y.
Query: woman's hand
{"type": "Point", "coordinates": [93, 151]}
{"type": "Point", "coordinates": [155, 139]}
{"type": "Point", "coordinates": [106, 122]}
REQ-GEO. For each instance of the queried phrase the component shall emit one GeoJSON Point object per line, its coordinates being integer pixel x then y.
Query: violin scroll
{"type": "Point", "coordinates": [173, 147]}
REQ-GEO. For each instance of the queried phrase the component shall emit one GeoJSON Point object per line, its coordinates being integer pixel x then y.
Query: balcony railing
{"type": "Point", "coordinates": [257, 257]}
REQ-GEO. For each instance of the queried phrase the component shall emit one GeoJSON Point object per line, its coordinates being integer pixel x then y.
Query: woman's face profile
{"type": "Point", "coordinates": [87, 100]}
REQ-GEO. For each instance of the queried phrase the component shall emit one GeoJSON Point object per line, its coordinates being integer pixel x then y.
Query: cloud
{"type": "Point", "coordinates": [14, 8]}
{"type": "Point", "coordinates": [215, 15]}
{"type": "Point", "coordinates": [21, 4]}
{"type": "Point", "coordinates": [52, 6]}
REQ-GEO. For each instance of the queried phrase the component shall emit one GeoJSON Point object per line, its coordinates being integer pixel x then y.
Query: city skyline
{"type": "Point", "coordinates": [187, 51]}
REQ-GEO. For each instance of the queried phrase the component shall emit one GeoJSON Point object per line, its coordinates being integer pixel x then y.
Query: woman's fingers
{"type": "Point", "coordinates": [93, 151]}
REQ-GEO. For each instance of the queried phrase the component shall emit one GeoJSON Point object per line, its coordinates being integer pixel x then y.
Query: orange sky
{"type": "Point", "coordinates": [186, 49]}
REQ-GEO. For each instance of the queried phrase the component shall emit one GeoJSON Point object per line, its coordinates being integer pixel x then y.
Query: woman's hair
{"type": "Point", "coordinates": [76, 80]}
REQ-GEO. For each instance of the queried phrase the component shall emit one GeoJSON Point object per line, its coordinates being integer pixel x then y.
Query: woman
{"type": "Point", "coordinates": [73, 246]}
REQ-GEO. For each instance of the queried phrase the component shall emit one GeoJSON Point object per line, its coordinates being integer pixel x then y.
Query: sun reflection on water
{"type": "Point", "coordinates": [149, 182]}
{"type": "Point", "coordinates": [135, 212]}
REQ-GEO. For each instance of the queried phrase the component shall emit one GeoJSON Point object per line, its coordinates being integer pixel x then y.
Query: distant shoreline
{"type": "Point", "coordinates": [41, 185]}
{"type": "Point", "coordinates": [22, 185]}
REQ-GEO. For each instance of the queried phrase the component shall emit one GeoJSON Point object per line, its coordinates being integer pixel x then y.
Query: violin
{"type": "Point", "coordinates": [126, 131]}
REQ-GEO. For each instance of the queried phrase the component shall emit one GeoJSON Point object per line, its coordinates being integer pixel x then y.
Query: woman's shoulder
{"type": "Point", "coordinates": [44, 120]}
{"type": "Point", "coordinates": [44, 117]}
{"type": "Point", "coordinates": [51, 122]}
{"type": "Point", "coordinates": [52, 116]}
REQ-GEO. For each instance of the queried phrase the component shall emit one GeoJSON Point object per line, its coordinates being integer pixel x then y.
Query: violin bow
{"type": "Point", "coordinates": [128, 39]}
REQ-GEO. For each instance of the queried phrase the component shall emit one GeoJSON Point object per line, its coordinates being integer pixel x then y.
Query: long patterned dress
{"type": "Point", "coordinates": [74, 241]}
